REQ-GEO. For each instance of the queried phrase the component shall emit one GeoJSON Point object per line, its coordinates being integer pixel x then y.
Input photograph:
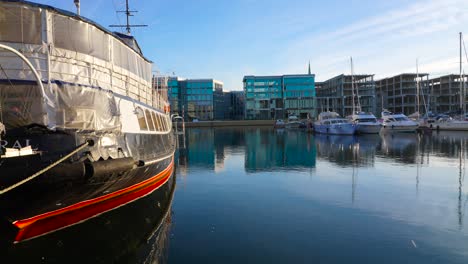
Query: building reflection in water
{"type": "Point", "coordinates": [348, 150]}
{"type": "Point", "coordinates": [208, 148]}
{"type": "Point", "coordinates": [292, 149]}
{"type": "Point", "coordinates": [356, 160]}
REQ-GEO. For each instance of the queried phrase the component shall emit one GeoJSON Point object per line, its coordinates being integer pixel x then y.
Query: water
{"type": "Point", "coordinates": [255, 195]}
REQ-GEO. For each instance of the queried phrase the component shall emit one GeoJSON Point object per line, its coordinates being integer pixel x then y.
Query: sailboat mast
{"type": "Point", "coordinates": [461, 76]}
{"type": "Point", "coordinates": [417, 87]}
{"type": "Point", "coordinates": [352, 87]}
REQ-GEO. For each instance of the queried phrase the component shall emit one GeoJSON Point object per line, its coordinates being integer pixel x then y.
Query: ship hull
{"type": "Point", "coordinates": [35, 214]}
{"type": "Point", "coordinates": [129, 234]}
{"type": "Point", "coordinates": [73, 192]}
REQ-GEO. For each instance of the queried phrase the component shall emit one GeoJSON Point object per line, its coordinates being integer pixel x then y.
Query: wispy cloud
{"type": "Point", "coordinates": [388, 42]}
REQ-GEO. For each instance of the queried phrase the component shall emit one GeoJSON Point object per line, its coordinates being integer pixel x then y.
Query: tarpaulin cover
{"type": "Point", "coordinates": [81, 66]}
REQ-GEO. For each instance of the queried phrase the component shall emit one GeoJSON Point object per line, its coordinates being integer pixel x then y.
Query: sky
{"type": "Point", "coordinates": [228, 39]}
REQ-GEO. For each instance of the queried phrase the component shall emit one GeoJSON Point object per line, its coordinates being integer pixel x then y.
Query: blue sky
{"type": "Point", "coordinates": [226, 40]}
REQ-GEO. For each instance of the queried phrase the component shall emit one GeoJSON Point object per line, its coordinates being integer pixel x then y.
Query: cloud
{"type": "Point", "coordinates": [388, 43]}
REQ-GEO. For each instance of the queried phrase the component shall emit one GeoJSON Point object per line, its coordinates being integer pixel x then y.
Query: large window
{"type": "Point", "coordinates": [157, 125]}
{"type": "Point", "coordinates": [141, 118]}
{"type": "Point", "coordinates": [149, 118]}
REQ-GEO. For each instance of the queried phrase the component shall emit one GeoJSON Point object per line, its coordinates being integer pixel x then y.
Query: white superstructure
{"type": "Point", "coordinates": [397, 123]}
{"type": "Point", "coordinates": [332, 123]}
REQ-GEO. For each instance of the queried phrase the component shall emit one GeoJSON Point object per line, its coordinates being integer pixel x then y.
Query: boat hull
{"type": "Point", "coordinates": [368, 129]}
{"type": "Point", "coordinates": [451, 126]}
{"type": "Point", "coordinates": [294, 125]}
{"type": "Point", "coordinates": [399, 128]}
{"type": "Point", "coordinates": [124, 235]}
{"type": "Point", "coordinates": [37, 210]}
{"type": "Point", "coordinates": [342, 129]}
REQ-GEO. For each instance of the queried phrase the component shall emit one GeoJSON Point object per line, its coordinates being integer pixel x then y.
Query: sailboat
{"type": "Point", "coordinates": [449, 123]}
{"type": "Point", "coordinates": [365, 123]}
{"type": "Point", "coordinates": [424, 121]}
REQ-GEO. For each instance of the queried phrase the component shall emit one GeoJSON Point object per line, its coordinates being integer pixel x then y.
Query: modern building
{"type": "Point", "coordinates": [200, 99]}
{"type": "Point", "coordinates": [277, 97]}
{"type": "Point", "coordinates": [234, 105]}
{"type": "Point", "coordinates": [445, 94]}
{"type": "Point", "coordinates": [336, 94]}
{"type": "Point", "coordinates": [405, 93]}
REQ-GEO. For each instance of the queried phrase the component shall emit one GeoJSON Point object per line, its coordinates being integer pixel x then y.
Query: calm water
{"type": "Point", "coordinates": [263, 196]}
{"type": "Point", "coordinates": [255, 195]}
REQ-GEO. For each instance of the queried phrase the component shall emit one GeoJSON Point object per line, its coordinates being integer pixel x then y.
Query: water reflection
{"type": "Point", "coordinates": [369, 196]}
{"type": "Point", "coordinates": [348, 150]}
{"type": "Point", "coordinates": [264, 149]}
{"type": "Point", "coordinates": [268, 150]}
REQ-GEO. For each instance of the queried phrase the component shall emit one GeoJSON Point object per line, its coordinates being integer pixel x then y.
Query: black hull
{"type": "Point", "coordinates": [134, 233]}
{"type": "Point", "coordinates": [80, 188]}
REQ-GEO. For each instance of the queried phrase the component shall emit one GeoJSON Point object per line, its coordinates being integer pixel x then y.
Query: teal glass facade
{"type": "Point", "coordinates": [195, 98]}
{"type": "Point", "coordinates": [277, 97]}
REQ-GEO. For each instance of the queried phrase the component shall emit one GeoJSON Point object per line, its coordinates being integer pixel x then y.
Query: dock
{"type": "Point", "coordinates": [231, 123]}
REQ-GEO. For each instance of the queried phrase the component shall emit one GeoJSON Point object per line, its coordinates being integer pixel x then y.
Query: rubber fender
{"type": "Point", "coordinates": [69, 172]}
{"type": "Point", "coordinates": [108, 167]}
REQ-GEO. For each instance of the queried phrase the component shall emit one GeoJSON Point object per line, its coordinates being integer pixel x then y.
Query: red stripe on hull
{"type": "Point", "coordinates": [51, 221]}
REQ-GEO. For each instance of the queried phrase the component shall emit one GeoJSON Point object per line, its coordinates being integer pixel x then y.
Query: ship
{"type": "Point", "coordinates": [83, 129]}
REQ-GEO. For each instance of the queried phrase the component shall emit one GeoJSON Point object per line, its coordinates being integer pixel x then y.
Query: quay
{"type": "Point", "coordinates": [231, 123]}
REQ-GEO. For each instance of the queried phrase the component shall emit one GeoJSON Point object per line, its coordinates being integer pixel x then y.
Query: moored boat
{"type": "Point", "coordinates": [450, 124]}
{"type": "Point", "coordinates": [397, 123]}
{"type": "Point", "coordinates": [279, 123]}
{"type": "Point", "coordinates": [294, 123]}
{"type": "Point", "coordinates": [366, 123]}
{"type": "Point", "coordinates": [332, 123]}
{"type": "Point", "coordinates": [85, 130]}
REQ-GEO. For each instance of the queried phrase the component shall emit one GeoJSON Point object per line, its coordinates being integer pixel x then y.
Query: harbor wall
{"type": "Point", "coordinates": [231, 123]}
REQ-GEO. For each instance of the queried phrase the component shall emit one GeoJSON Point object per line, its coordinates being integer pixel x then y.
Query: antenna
{"type": "Point", "coordinates": [77, 4]}
{"type": "Point", "coordinates": [128, 13]}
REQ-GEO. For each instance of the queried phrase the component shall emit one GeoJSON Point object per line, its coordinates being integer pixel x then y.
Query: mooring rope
{"type": "Point", "coordinates": [46, 168]}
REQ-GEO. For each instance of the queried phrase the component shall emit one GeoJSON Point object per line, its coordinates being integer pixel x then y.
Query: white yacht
{"type": "Point", "coordinates": [293, 122]}
{"type": "Point", "coordinates": [332, 123]}
{"type": "Point", "coordinates": [279, 123]}
{"type": "Point", "coordinates": [366, 123]}
{"type": "Point", "coordinates": [450, 124]}
{"type": "Point", "coordinates": [397, 123]}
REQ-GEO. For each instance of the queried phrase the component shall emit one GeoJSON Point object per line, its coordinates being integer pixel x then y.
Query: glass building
{"type": "Point", "coordinates": [277, 97]}
{"type": "Point", "coordinates": [200, 99]}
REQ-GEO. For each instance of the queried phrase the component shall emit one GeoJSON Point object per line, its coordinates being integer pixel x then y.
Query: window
{"type": "Point", "coordinates": [157, 126]}
{"type": "Point", "coordinates": [141, 118]}
{"type": "Point", "coordinates": [163, 125]}
{"type": "Point", "coordinates": [150, 122]}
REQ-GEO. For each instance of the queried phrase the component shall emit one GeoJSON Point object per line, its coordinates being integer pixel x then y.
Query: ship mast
{"type": "Point", "coordinates": [128, 13]}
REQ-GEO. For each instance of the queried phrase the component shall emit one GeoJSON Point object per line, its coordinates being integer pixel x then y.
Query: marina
{"type": "Point", "coordinates": [107, 155]}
